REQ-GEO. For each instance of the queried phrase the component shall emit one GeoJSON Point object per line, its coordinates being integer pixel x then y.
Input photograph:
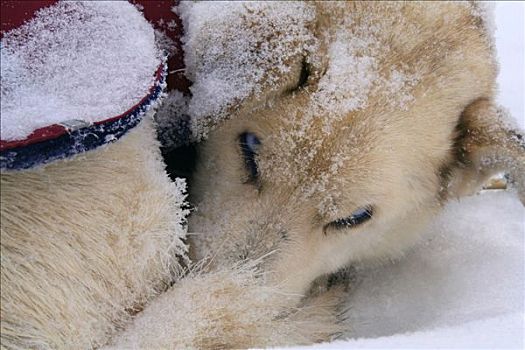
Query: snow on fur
{"type": "Point", "coordinates": [75, 60]}
{"type": "Point", "coordinates": [225, 72]}
{"type": "Point", "coordinates": [355, 62]}
{"type": "Point", "coordinates": [358, 74]}
{"type": "Point", "coordinates": [173, 124]}
{"type": "Point", "coordinates": [393, 299]}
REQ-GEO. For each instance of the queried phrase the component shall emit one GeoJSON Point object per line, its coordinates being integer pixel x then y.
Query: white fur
{"type": "Point", "coordinates": [391, 138]}
{"type": "Point", "coordinates": [86, 242]}
{"type": "Point", "coordinates": [396, 112]}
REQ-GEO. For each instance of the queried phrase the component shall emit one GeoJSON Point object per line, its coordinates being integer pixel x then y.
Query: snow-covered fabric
{"type": "Point", "coordinates": [88, 61]}
{"type": "Point", "coordinates": [82, 137]}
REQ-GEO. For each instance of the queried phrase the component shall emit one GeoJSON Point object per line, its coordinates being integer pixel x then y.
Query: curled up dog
{"type": "Point", "coordinates": [344, 128]}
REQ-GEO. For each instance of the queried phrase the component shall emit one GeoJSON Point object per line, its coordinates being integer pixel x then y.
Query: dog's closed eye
{"type": "Point", "coordinates": [303, 77]}
{"type": "Point", "coordinates": [249, 144]}
{"type": "Point", "coordinates": [358, 217]}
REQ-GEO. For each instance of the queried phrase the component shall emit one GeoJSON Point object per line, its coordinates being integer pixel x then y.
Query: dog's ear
{"type": "Point", "coordinates": [487, 144]}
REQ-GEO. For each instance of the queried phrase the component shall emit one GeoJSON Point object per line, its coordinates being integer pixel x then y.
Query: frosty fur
{"type": "Point", "coordinates": [426, 125]}
{"type": "Point", "coordinates": [402, 129]}
{"type": "Point", "coordinates": [86, 242]}
{"type": "Point", "coordinates": [230, 309]}
{"type": "Point", "coordinates": [490, 143]}
{"type": "Point", "coordinates": [397, 112]}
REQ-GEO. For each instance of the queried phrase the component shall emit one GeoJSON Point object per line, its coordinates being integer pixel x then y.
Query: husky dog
{"type": "Point", "coordinates": [354, 123]}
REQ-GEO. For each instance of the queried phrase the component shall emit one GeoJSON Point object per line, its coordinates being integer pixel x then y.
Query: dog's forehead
{"type": "Point", "coordinates": [313, 165]}
{"type": "Point", "coordinates": [373, 72]}
{"type": "Point", "coordinates": [381, 75]}
{"type": "Point", "coordinates": [246, 52]}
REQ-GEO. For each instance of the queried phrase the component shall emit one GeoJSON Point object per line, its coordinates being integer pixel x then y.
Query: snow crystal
{"type": "Point", "coordinates": [75, 60]}
{"type": "Point", "coordinates": [171, 25]}
{"type": "Point", "coordinates": [165, 43]}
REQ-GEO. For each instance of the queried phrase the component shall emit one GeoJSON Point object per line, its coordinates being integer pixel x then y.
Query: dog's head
{"type": "Point", "coordinates": [346, 148]}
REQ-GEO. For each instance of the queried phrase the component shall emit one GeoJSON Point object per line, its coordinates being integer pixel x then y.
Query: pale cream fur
{"type": "Point", "coordinates": [396, 159]}
{"type": "Point", "coordinates": [230, 309]}
{"type": "Point", "coordinates": [262, 244]}
{"type": "Point", "coordinates": [405, 159]}
{"type": "Point", "coordinates": [86, 242]}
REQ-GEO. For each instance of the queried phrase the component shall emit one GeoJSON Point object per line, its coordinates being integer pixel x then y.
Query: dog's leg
{"type": "Point", "coordinates": [488, 145]}
{"type": "Point", "coordinates": [333, 289]}
{"type": "Point", "coordinates": [230, 308]}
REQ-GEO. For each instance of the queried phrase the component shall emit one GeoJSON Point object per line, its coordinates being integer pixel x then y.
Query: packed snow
{"type": "Point", "coordinates": [75, 60]}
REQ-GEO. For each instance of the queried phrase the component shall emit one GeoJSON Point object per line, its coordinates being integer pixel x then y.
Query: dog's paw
{"type": "Point", "coordinates": [327, 310]}
{"type": "Point", "coordinates": [327, 302]}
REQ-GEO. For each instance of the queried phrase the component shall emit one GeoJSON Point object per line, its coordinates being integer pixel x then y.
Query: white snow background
{"type": "Point", "coordinates": [463, 286]}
